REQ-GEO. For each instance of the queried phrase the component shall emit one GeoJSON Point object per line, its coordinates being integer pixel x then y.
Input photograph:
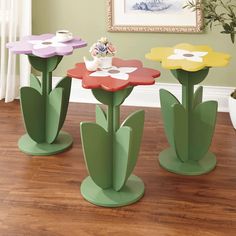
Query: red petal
{"type": "Point", "coordinates": [106, 83]}
{"type": "Point", "coordinates": [142, 76]}
{"type": "Point", "coordinates": [78, 72]}
{"type": "Point", "coordinates": [126, 63]}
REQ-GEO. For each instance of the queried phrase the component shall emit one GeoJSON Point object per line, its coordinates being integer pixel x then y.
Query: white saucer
{"type": "Point", "coordinates": [65, 40]}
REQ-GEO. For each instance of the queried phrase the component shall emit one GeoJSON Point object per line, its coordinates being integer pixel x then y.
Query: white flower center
{"type": "Point", "coordinates": [41, 44]}
{"type": "Point", "coordinates": [114, 72]}
{"type": "Point", "coordinates": [180, 54]}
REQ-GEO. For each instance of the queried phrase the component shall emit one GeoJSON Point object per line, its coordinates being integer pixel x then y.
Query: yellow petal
{"type": "Point", "coordinates": [189, 47]}
{"type": "Point", "coordinates": [212, 59]}
{"type": "Point", "coordinates": [216, 59]}
{"type": "Point", "coordinates": [183, 64]}
{"type": "Point", "coordinates": [158, 54]}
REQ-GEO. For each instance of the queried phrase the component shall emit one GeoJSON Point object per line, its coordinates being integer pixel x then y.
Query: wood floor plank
{"type": "Point", "coordinates": [40, 196]}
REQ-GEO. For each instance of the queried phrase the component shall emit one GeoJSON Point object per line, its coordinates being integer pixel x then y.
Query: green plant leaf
{"type": "Point", "coordinates": [101, 117]}
{"type": "Point", "coordinates": [32, 107]}
{"type": "Point", "coordinates": [121, 156]}
{"type": "Point", "coordinates": [53, 114]}
{"type": "Point", "coordinates": [97, 153]}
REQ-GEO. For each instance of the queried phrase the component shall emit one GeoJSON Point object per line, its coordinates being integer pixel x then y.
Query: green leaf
{"type": "Point", "coordinates": [101, 117]}
{"type": "Point", "coordinates": [168, 101]}
{"type": "Point", "coordinates": [136, 122]}
{"type": "Point", "coordinates": [226, 27]}
{"type": "Point", "coordinates": [97, 148]}
{"type": "Point", "coordinates": [35, 83]}
{"type": "Point", "coordinates": [65, 83]}
{"type": "Point", "coordinates": [32, 107]}
{"type": "Point", "coordinates": [232, 35]}
{"type": "Point", "coordinates": [53, 111]}
{"type": "Point", "coordinates": [204, 119]}
{"type": "Point", "coordinates": [197, 98]}
{"type": "Point", "coordinates": [121, 156]}
{"type": "Point", "coordinates": [181, 138]}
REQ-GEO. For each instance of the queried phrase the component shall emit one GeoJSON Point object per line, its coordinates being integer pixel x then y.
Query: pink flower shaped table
{"type": "Point", "coordinates": [44, 109]}
{"type": "Point", "coordinates": [110, 148]}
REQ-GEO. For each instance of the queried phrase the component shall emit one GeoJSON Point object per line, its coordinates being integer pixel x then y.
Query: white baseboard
{"type": "Point", "coordinates": [148, 96]}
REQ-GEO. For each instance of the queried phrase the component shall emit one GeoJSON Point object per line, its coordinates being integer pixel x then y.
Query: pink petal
{"type": "Point", "coordinates": [20, 47]}
{"type": "Point", "coordinates": [25, 47]}
{"type": "Point", "coordinates": [45, 52]}
{"type": "Point", "coordinates": [62, 51]}
{"type": "Point", "coordinates": [38, 37]}
{"type": "Point", "coordinates": [76, 43]}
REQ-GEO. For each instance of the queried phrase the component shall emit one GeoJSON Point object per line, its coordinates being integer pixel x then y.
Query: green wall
{"type": "Point", "coordinates": [88, 20]}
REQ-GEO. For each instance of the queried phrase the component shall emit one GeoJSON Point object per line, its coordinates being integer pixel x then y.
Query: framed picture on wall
{"type": "Point", "coordinates": [153, 16]}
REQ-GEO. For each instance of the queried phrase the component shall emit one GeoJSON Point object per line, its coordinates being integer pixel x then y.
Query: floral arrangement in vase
{"type": "Point", "coordinates": [102, 51]}
{"type": "Point", "coordinates": [102, 48]}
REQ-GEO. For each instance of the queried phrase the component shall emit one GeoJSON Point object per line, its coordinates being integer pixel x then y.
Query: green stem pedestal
{"type": "Point", "coordinates": [44, 110]}
{"type": "Point", "coordinates": [189, 127]}
{"type": "Point", "coordinates": [111, 152]}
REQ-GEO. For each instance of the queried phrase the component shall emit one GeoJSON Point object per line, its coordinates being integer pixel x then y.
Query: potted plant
{"type": "Point", "coordinates": [224, 13]}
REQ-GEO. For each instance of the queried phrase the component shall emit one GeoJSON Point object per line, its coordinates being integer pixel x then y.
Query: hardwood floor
{"type": "Point", "coordinates": [40, 196]}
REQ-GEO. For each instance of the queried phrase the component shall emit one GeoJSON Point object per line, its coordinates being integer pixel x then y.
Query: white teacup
{"type": "Point", "coordinates": [63, 35]}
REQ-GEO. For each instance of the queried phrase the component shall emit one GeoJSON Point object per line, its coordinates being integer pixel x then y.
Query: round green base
{"type": "Point", "coordinates": [28, 146]}
{"type": "Point", "coordinates": [169, 161]}
{"type": "Point", "coordinates": [130, 193]}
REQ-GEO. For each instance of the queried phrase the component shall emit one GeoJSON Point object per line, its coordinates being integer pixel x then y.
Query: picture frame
{"type": "Point", "coordinates": [167, 16]}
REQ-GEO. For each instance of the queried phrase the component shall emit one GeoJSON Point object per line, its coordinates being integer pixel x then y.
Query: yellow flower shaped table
{"type": "Point", "coordinates": [189, 126]}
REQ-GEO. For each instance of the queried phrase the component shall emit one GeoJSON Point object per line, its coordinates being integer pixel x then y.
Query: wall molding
{"type": "Point", "coordinates": [148, 96]}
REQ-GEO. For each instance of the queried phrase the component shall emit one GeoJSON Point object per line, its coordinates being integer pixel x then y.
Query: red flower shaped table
{"type": "Point", "coordinates": [110, 149]}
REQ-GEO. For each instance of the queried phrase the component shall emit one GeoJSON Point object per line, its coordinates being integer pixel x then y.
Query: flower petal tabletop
{"type": "Point", "coordinates": [44, 110]}
{"type": "Point", "coordinates": [110, 148]}
{"type": "Point", "coordinates": [189, 126]}
{"type": "Point", "coordinates": [45, 46]}
{"type": "Point", "coordinates": [121, 75]}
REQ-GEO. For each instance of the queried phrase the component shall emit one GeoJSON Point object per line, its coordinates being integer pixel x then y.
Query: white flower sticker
{"type": "Point", "coordinates": [52, 42]}
{"type": "Point", "coordinates": [121, 73]}
{"type": "Point", "coordinates": [181, 54]}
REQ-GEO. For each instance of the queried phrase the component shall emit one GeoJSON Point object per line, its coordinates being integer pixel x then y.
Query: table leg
{"type": "Point", "coordinates": [189, 127]}
{"type": "Point", "coordinates": [44, 110]}
{"type": "Point", "coordinates": [111, 152]}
